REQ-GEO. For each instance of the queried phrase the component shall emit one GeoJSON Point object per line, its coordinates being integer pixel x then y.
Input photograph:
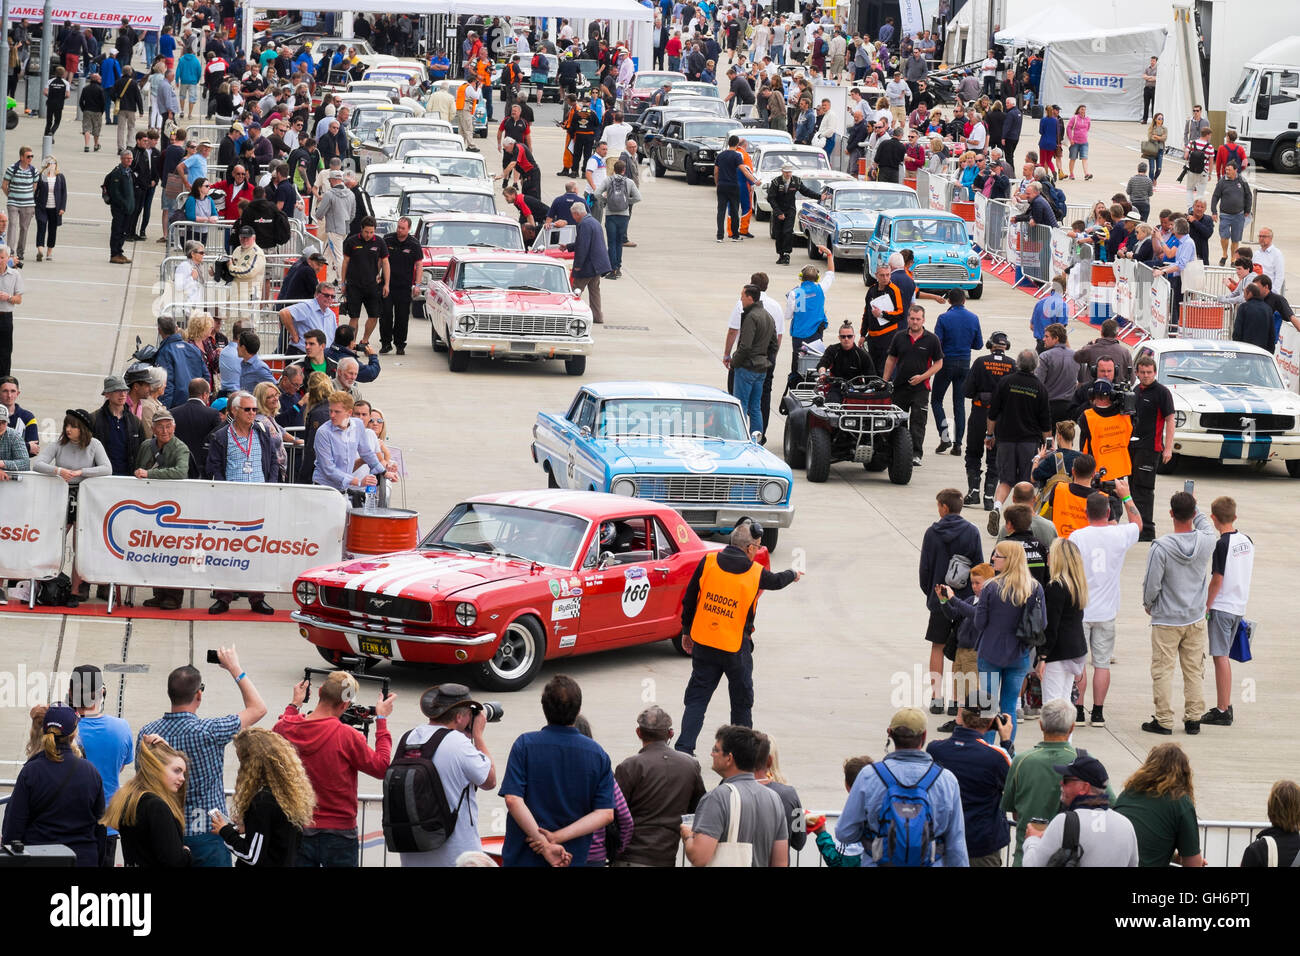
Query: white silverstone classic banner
{"type": "Point", "coordinates": [33, 511]}
{"type": "Point", "coordinates": [205, 534]}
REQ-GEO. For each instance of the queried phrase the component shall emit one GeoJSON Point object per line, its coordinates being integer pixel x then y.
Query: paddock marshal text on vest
{"type": "Point", "coordinates": [723, 605]}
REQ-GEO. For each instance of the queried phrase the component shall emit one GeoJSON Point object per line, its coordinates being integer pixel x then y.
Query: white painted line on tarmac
{"type": "Point", "coordinates": [46, 371]}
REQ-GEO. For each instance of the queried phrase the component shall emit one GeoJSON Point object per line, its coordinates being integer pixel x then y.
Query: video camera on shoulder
{"type": "Point", "coordinates": [356, 715]}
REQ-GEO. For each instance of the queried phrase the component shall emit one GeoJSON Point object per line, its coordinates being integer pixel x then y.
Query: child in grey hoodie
{"type": "Point", "coordinates": [1173, 593]}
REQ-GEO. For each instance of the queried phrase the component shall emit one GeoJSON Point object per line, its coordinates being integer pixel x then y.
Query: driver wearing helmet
{"type": "Point", "coordinates": [846, 360]}
{"type": "Point", "coordinates": [616, 537]}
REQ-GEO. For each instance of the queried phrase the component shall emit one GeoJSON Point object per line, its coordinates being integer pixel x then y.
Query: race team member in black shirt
{"type": "Point", "coordinates": [1153, 440]}
{"type": "Point", "coordinates": [915, 355]}
{"type": "Point", "coordinates": [847, 360]}
{"type": "Point", "coordinates": [405, 258]}
{"type": "Point", "coordinates": [365, 276]}
{"type": "Point", "coordinates": [981, 383]}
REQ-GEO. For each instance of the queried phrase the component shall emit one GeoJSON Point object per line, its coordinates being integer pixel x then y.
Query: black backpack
{"type": "Point", "coordinates": [1196, 159]}
{"type": "Point", "coordinates": [417, 817]}
{"type": "Point", "coordinates": [103, 189]}
{"type": "Point", "coordinates": [1070, 853]}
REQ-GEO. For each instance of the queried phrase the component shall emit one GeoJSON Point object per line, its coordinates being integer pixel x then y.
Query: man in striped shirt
{"type": "Point", "coordinates": [20, 188]}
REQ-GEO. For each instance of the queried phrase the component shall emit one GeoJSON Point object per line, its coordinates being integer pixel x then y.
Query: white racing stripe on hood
{"type": "Point", "coordinates": [377, 579]}
{"type": "Point", "coordinates": [395, 586]}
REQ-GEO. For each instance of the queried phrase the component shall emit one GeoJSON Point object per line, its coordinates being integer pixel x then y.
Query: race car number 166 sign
{"type": "Point", "coordinates": [636, 589]}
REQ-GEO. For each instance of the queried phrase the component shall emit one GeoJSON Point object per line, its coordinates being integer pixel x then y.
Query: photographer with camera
{"type": "Point", "coordinates": [203, 740]}
{"type": "Point", "coordinates": [1153, 440]}
{"type": "Point", "coordinates": [1069, 499]}
{"type": "Point", "coordinates": [453, 742]}
{"type": "Point", "coordinates": [1105, 430]}
{"type": "Point", "coordinates": [332, 753]}
{"type": "Point", "coordinates": [981, 773]}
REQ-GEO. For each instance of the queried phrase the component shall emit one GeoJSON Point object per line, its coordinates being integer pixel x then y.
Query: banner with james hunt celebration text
{"type": "Point", "coordinates": [205, 534]}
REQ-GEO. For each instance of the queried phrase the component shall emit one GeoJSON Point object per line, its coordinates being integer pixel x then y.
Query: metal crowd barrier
{"type": "Point", "coordinates": [1213, 280]}
{"type": "Point", "coordinates": [212, 132]}
{"type": "Point", "coordinates": [220, 236]}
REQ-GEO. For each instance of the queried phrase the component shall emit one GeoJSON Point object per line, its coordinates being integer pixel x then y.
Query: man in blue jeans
{"type": "Point", "coordinates": [750, 360]}
{"type": "Point", "coordinates": [204, 741]}
{"type": "Point", "coordinates": [959, 332]}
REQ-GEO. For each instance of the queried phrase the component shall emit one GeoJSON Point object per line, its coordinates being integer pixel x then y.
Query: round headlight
{"type": "Point", "coordinates": [973, 261]}
{"type": "Point", "coordinates": [466, 324]}
{"type": "Point", "coordinates": [466, 614]}
{"type": "Point", "coordinates": [305, 592]}
{"type": "Point", "coordinates": [846, 235]}
{"type": "Point", "coordinates": [772, 492]}
{"type": "Point", "coordinates": [1180, 419]}
{"type": "Point", "coordinates": [623, 486]}
{"type": "Point", "coordinates": [578, 326]}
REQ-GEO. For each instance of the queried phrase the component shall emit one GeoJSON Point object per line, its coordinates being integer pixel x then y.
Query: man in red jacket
{"type": "Point", "coordinates": [332, 753]}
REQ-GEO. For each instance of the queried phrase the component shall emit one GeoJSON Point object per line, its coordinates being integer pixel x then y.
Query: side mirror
{"type": "Point", "coordinates": [756, 437]}
{"type": "Point", "coordinates": [606, 560]}
{"type": "Point", "coordinates": [585, 431]}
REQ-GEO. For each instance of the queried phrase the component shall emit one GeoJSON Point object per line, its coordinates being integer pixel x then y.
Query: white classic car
{"type": "Point", "coordinates": [770, 157]}
{"type": "Point", "coordinates": [1230, 402]}
{"type": "Point", "coordinates": [384, 182]}
{"type": "Point", "coordinates": [508, 305]}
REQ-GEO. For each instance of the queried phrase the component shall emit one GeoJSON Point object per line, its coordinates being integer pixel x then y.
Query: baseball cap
{"type": "Point", "coordinates": [1084, 767]}
{"type": "Point", "coordinates": [163, 415]}
{"type": "Point", "coordinates": [237, 127]}
{"type": "Point", "coordinates": [336, 174]}
{"type": "Point", "coordinates": [62, 718]}
{"type": "Point", "coordinates": [909, 719]}
{"type": "Point", "coordinates": [314, 254]}
{"type": "Point", "coordinates": [245, 231]}
{"type": "Point", "coordinates": [205, 142]}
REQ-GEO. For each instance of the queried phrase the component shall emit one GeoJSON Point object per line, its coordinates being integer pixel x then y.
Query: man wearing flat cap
{"type": "Point", "coordinates": [117, 428]}
{"type": "Point", "coordinates": [659, 785]}
{"type": "Point", "coordinates": [718, 627]}
{"type": "Point", "coordinates": [163, 457]}
{"type": "Point", "coordinates": [1088, 832]}
{"type": "Point", "coordinates": [867, 818]}
{"type": "Point", "coordinates": [453, 741]}
{"type": "Point", "coordinates": [782, 195]}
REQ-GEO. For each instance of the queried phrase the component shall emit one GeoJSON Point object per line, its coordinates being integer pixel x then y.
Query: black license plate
{"type": "Point", "coordinates": [700, 517]}
{"type": "Point", "coordinates": [378, 646]}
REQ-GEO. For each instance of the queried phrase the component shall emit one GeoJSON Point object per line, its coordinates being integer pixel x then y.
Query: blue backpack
{"type": "Point", "coordinates": [905, 829]}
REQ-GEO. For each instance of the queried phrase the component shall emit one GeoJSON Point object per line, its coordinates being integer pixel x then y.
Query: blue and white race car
{"type": "Point", "coordinates": [683, 445]}
{"type": "Point", "coordinates": [944, 258]}
{"type": "Point", "coordinates": [1229, 402]}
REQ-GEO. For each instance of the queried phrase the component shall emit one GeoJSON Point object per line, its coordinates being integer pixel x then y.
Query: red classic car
{"type": "Point", "coordinates": [505, 581]}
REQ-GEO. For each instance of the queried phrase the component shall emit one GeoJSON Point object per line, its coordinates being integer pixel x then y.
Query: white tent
{"type": "Point", "coordinates": [1089, 66]}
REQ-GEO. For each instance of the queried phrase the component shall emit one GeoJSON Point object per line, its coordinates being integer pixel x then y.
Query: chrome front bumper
{"type": "Point", "coordinates": [505, 346]}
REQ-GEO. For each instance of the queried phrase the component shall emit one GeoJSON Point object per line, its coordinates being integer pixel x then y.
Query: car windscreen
{"type": "Point", "coordinates": [469, 167]}
{"type": "Point", "coordinates": [390, 184]}
{"type": "Point", "coordinates": [1218, 367]}
{"type": "Point", "coordinates": [424, 202]}
{"type": "Point", "coordinates": [697, 89]}
{"type": "Point", "coordinates": [716, 107]}
{"type": "Point", "coordinates": [540, 276]}
{"type": "Point", "coordinates": [775, 160]}
{"type": "Point", "coordinates": [707, 130]}
{"type": "Point", "coordinates": [930, 230]}
{"type": "Point", "coordinates": [671, 418]}
{"type": "Point", "coordinates": [852, 200]}
{"type": "Point", "coordinates": [506, 531]}
{"type": "Point", "coordinates": [409, 144]}
{"type": "Point", "coordinates": [366, 122]}
{"type": "Point", "coordinates": [650, 81]}
{"type": "Point", "coordinates": [494, 235]}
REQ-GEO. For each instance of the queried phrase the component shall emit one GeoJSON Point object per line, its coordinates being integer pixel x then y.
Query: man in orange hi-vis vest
{"type": "Point", "coordinates": [718, 624]}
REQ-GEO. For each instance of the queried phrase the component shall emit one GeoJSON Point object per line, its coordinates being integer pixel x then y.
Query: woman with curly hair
{"type": "Point", "coordinates": [149, 809]}
{"type": "Point", "coordinates": [273, 801]}
{"type": "Point", "coordinates": [1158, 800]}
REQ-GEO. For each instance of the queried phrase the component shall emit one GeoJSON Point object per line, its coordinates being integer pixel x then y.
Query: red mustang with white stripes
{"type": "Point", "coordinates": [505, 581]}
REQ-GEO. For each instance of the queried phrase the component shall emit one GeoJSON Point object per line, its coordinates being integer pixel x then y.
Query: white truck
{"type": "Point", "coordinates": [1264, 107]}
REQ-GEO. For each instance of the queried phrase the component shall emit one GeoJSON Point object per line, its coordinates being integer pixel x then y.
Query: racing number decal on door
{"type": "Point", "coordinates": [668, 155]}
{"type": "Point", "coordinates": [636, 589]}
{"type": "Point", "coordinates": [571, 468]}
